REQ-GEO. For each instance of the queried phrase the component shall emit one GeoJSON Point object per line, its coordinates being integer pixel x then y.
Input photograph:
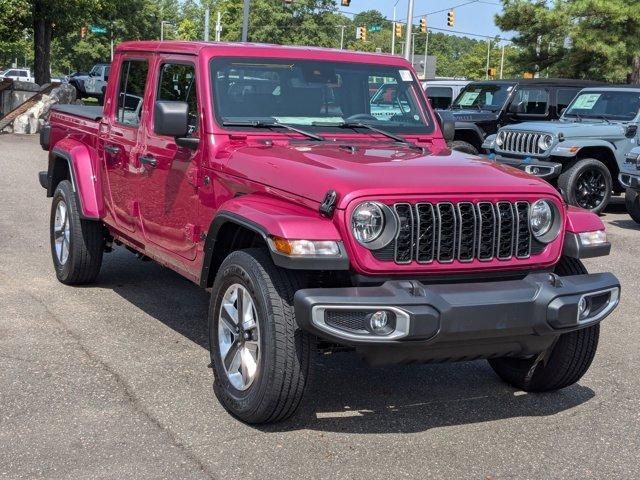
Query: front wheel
{"type": "Point", "coordinates": [564, 364]}
{"type": "Point", "coordinates": [462, 146]}
{"type": "Point", "coordinates": [261, 359]}
{"type": "Point", "coordinates": [632, 202]}
{"type": "Point", "coordinates": [587, 184]}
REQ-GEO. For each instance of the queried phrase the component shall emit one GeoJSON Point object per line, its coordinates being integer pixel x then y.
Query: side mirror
{"type": "Point", "coordinates": [171, 118]}
{"type": "Point", "coordinates": [517, 108]}
{"type": "Point", "coordinates": [447, 123]}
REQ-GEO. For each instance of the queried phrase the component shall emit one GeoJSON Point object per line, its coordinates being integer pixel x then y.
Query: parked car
{"type": "Point", "coordinates": [630, 180]}
{"type": "Point", "coordinates": [483, 107]}
{"type": "Point", "coordinates": [317, 224]}
{"type": "Point", "coordinates": [92, 84]}
{"type": "Point", "coordinates": [442, 93]}
{"type": "Point", "coordinates": [18, 74]}
{"type": "Point", "coordinates": [583, 153]}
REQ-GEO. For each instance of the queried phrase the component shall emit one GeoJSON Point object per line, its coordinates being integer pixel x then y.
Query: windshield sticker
{"type": "Point", "coordinates": [586, 101]}
{"type": "Point", "coordinates": [468, 98]}
{"type": "Point", "coordinates": [405, 75]}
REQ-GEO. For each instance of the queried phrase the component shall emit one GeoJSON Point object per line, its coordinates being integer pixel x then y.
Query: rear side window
{"type": "Point", "coordinates": [565, 96]}
{"type": "Point", "coordinates": [178, 83]}
{"type": "Point", "coordinates": [133, 76]}
{"type": "Point", "coordinates": [441, 97]}
{"type": "Point", "coordinates": [536, 100]}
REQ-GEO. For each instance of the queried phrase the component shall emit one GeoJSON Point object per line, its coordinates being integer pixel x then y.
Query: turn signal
{"type": "Point", "coordinates": [295, 248]}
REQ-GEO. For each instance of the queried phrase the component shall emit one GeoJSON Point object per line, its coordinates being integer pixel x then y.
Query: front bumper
{"type": "Point", "coordinates": [540, 168]}
{"type": "Point", "coordinates": [628, 180]}
{"type": "Point", "coordinates": [460, 320]}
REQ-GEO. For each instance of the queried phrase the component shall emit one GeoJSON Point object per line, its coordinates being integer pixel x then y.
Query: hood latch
{"type": "Point", "coordinates": [328, 205]}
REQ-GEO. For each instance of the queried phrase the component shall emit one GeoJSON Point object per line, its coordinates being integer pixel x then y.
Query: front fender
{"type": "Point", "coordinates": [582, 221]}
{"type": "Point", "coordinates": [470, 127]}
{"type": "Point", "coordinates": [83, 169]}
{"type": "Point", "coordinates": [569, 148]}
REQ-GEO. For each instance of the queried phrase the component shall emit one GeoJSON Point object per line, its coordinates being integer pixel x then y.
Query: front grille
{"type": "Point", "coordinates": [522, 143]}
{"type": "Point", "coordinates": [448, 232]}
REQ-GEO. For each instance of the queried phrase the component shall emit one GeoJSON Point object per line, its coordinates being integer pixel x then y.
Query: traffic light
{"type": "Point", "coordinates": [83, 32]}
{"type": "Point", "coordinates": [451, 18]}
{"type": "Point", "coordinates": [345, 3]}
{"type": "Point", "coordinates": [492, 72]}
{"type": "Point", "coordinates": [527, 75]}
{"type": "Point", "coordinates": [399, 30]}
{"type": "Point", "coordinates": [361, 33]}
{"type": "Point", "coordinates": [423, 25]}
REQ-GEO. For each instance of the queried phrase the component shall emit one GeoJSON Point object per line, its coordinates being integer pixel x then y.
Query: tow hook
{"type": "Point", "coordinates": [555, 281]}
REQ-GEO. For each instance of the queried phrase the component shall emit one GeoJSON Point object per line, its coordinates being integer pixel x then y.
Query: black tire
{"type": "Point", "coordinates": [587, 183]}
{"type": "Point", "coordinates": [85, 240]}
{"type": "Point", "coordinates": [285, 362]}
{"type": "Point", "coordinates": [632, 202]}
{"type": "Point", "coordinates": [567, 361]}
{"type": "Point", "coordinates": [462, 146]}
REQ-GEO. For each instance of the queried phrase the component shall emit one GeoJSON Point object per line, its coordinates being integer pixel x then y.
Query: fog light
{"type": "Point", "coordinates": [584, 308]}
{"type": "Point", "coordinates": [381, 322]}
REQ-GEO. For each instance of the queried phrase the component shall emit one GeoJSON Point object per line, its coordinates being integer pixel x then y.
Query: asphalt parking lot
{"type": "Point", "coordinates": [111, 381]}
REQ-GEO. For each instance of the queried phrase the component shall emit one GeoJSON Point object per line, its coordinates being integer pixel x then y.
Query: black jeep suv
{"type": "Point", "coordinates": [483, 107]}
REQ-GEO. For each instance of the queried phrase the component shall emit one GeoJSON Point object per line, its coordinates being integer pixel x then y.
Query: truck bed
{"type": "Point", "coordinates": [84, 111]}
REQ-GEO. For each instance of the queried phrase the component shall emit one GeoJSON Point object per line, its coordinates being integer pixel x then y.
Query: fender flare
{"type": "Point", "coordinates": [562, 149]}
{"type": "Point", "coordinates": [84, 176]}
{"type": "Point", "coordinates": [268, 217]}
{"type": "Point", "coordinates": [460, 126]}
{"type": "Point", "coordinates": [581, 221]}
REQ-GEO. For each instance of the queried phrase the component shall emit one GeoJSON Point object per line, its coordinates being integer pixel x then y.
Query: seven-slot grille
{"type": "Point", "coordinates": [446, 232]}
{"type": "Point", "coordinates": [522, 143]}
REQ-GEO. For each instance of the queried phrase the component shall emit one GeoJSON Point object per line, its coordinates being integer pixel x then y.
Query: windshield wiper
{"type": "Point", "coordinates": [263, 124]}
{"type": "Point", "coordinates": [373, 129]}
{"type": "Point", "coordinates": [602, 117]}
{"type": "Point", "coordinates": [577, 115]}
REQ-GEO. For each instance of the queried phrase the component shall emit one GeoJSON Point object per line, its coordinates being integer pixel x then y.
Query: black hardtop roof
{"type": "Point", "coordinates": [542, 81]}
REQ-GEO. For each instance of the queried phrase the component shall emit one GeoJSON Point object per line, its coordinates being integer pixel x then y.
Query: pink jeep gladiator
{"type": "Point", "coordinates": [321, 216]}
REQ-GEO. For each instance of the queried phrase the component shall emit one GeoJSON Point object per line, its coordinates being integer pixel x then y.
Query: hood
{"type": "Point", "coordinates": [310, 170]}
{"type": "Point", "coordinates": [474, 115]}
{"type": "Point", "coordinates": [591, 129]}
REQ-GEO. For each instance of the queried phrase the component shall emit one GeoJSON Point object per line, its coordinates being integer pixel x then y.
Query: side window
{"type": "Point", "coordinates": [133, 77]}
{"type": "Point", "coordinates": [178, 83]}
{"type": "Point", "coordinates": [564, 96]}
{"type": "Point", "coordinates": [441, 97]}
{"type": "Point", "coordinates": [536, 100]}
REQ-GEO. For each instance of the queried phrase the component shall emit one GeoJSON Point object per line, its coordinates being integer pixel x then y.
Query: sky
{"type": "Point", "coordinates": [471, 16]}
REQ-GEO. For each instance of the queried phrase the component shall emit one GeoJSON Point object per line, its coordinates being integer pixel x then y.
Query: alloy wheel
{"type": "Point", "coordinates": [591, 189]}
{"type": "Point", "coordinates": [239, 337]}
{"type": "Point", "coordinates": [61, 232]}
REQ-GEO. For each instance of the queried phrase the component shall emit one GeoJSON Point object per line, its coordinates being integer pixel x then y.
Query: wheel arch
{"type": "Point", "coordinates": [470, 133]}
{"type": "Point", "coordinates": [606, 155]}
{"type": "Point", "coordinates": [74, 161]}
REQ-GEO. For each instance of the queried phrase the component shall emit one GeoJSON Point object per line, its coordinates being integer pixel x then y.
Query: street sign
{"type": "Point", "coordinates": [375, 27]}
{"type": "Point", "coordinates": [95, 29]}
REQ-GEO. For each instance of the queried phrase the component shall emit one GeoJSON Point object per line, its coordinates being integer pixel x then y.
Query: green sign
{"type": "Point", "coordinates": [375, 27]}
{"type": "Point", "coordinates": [95, 29]}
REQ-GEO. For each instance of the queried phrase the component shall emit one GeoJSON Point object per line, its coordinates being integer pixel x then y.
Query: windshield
{"type": "Point", "coordinates": [611, 105]}
{"type": "Point", "coordinates": [316, 94]}
{"type": "Point", "coordinates": [483, 97]}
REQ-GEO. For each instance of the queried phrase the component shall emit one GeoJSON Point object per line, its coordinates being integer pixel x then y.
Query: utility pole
{"type": "Point", "coordinates": [502, 62]}
{"type": "Point", "coordinates": [426, 51]}
{"type": "Point", "coordinates": [207, 13]}
{"type": "Point", "coordinates": [486, 70]}
{"type": "Point", "coordinates": [342, 27]}
{"type": "Point", "coordinates": [245, 21]}
{"type": "Point", "coordinates": [408, 42]}
{"type": "Point", "coordinates": [218, 26]}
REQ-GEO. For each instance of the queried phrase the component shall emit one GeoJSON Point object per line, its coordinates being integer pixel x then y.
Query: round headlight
{"type": "Point", "coordinates": [545, 142]}
{"type": "Point", "coordinates": [500, 138]}
{"type": "Point", "coordinates": [367, 222]}
{"type": "Point", "coordinates": [542, 221]}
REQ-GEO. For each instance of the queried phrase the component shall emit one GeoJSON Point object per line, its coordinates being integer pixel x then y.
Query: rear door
{"type": "Point", "coordinates": [121, 140]}
{"type": "Point", "coordinates": [168, 205]}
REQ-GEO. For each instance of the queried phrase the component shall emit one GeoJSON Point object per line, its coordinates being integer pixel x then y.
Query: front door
{"type": "Point", "coordinates": [168, 200]}
{"type": "Point", "coordinates": [121, 141]}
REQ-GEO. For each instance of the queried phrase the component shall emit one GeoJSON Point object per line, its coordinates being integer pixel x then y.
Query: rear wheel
{"type": "Point", "coordinates": [587, 184]}
{"type": "Point", "coordinates": [564, 364]}
{"type": "Point", "coordinates": [261, 359]}
{"type": "Point", "coordinates": [462, 146]}
{"type": "Point", "coordinates": [77, 245]}
{"type": "Point", "coordinates": [632, 201]}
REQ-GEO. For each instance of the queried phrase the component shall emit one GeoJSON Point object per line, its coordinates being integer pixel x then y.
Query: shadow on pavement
{"type": "Point", "coordinates": [345, 394]}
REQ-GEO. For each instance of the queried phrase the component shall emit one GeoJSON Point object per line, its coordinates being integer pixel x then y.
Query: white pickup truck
{"type": "Point", "coordinates": [18, 74]}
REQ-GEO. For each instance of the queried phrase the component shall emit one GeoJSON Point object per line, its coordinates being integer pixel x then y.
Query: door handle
{"type": "Point", "coordinates": [112, 149]}
{"type": "Point", "coordinates": [148, 160]}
